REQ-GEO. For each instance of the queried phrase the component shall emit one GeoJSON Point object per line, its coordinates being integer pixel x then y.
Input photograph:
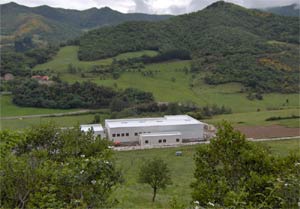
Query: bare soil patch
{"type": "Point", "coordinates": [273, 131]}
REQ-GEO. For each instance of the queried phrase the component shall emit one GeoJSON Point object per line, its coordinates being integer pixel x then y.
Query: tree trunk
{"type": "Point", "coordinates": [154, 194]}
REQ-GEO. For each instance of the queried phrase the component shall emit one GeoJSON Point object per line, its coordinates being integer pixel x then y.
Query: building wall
{"type": "Point", "coordinates": [128, 134]}
{"type": "Point", "coordinates": [100, 133]}
{"type": "Point", "coordinates": [160, 140]}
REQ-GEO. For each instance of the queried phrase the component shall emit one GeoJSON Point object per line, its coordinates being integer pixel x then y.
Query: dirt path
{"type": "Point", "coordinates": [46, 115]}
{"type": "Point", "coordinates": [273, 131]}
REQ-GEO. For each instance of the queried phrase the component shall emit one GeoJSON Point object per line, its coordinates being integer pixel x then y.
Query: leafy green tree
{"type": "Point", "coordinates": [97, 118]}
{"type": "Point", "coordinates": [155, 173]}
{"type": "Point", "coordinates": [53, 168]}
{"type": "Point", "coordinates": [234, 173]}
{"type": "Point", "coordinates": [173, 109]}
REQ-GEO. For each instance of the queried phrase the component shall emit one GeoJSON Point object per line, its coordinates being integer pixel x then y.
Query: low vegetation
{"type": "Point", "coordinates": [282, 118]}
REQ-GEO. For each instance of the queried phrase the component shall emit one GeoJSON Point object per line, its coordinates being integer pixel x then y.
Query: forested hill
{"type": "Point", "coordinates": [290, 10]}
{"type": "Point", "coordinates": [56, 24]}
{"type": "Point", "coordinates": [224, 39]}
{"type": "Point", "coordinates": [220, 28]}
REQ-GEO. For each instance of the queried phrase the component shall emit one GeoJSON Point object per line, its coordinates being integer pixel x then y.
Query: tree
{"type": "Point", "coordinates": [234, 173]}
{"type": "Point", "coordinates": [97, 118]}
{"type": "Point", "coordinates": [53, 168]}
{"type": "Point", "coordinates": [117, 105]}
{"type": "Point", "coordinates": [155, 173]}
{"type": "Point", "coordinates": [173, 109]}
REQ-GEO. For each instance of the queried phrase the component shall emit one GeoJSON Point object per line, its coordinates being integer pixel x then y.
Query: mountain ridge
{"type": "Point", "coordinates": [71, 22]}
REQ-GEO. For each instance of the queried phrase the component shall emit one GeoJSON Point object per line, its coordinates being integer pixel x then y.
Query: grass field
{"type": "Point", "coordinates": [68, 55]}
{"type": "Point", "coordinates": [10, 109]}
{"type": "Point", "coordinates": [65, 121]}
{"type": "Point", "coordinates": [166, 89]}
{"type": "Point", "coordinates": [135, 195]}
{"type": "Point", "coordinates": [259, 118]}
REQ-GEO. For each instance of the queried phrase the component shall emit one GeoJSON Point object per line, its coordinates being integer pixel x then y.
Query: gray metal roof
{"type": "Point", "coordinates": [160, 121]}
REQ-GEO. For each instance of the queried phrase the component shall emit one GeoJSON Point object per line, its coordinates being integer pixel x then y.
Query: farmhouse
{"type": "Point", "coordinates": [155, 131]}
{"type": "Point", "coordinates": [40, 77]}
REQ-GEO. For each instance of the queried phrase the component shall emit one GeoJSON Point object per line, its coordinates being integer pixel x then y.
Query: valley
{"type": "Point", "coordinates": [168, 83]}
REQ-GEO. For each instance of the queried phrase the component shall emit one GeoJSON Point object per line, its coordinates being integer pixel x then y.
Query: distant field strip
{"type": "Point", "coordinates": [68, 55]}
{"type": "Point", "coordinates": [9, 109]}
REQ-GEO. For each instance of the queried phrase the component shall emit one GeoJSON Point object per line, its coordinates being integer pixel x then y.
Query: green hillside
{"type": "Point", "coordinates": [49, 24]}
{"type": "Point", "coordinates": [228, 42]}
{"type": "Point", "coordinates": [168, 83]}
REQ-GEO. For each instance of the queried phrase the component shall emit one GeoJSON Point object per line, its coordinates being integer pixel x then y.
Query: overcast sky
{"type": "Point", "coordinates": [149, 6]}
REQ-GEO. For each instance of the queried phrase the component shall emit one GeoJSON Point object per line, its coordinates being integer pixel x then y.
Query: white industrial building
{"type": "Point", "coordinates": [165, 130]}
{"type": "Point", "coordinates": [155, 131]}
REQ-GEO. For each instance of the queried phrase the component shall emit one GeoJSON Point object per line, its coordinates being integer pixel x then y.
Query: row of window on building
{"type": "Point", "coordinates": [161, 141]}
{"type": "Point", "coordinates": [127, 134]}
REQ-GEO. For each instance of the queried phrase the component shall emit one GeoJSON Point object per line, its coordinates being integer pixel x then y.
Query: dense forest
{"type": "Point", "coordinates": [78, 95]}
{"type": "Point", "coordinates": [221, 28]}
{"type": "Point", "coordinates": [222, 36]}
{"type": "Point", "coordinates": [20, 63]}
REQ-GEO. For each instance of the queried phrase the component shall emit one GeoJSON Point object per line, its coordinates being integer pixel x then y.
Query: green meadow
{"type": "Point", "coordinates": [259, 118]}
{"type": "Point", "coordinates": [135, 195]}
{"type": "Point", "coordinates": [8, 108]}
{"type": "Point", "coordinates": [68, 55]}
{"type": "Point", "coordinates": [63, 121]}
{"type": "Point", "coordinates": [169, 83]}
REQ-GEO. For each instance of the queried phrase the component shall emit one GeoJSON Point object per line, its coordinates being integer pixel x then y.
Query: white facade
{"type": "Point", "coordinates": [97, 128]}
{"type": "Point", "coordinates": [129, 130]}
{"type": "Point", "coordinates": [162, 138]}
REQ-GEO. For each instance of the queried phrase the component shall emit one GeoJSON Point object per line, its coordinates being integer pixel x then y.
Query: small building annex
{"type": "Point", "coordinates": [97, 129]}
